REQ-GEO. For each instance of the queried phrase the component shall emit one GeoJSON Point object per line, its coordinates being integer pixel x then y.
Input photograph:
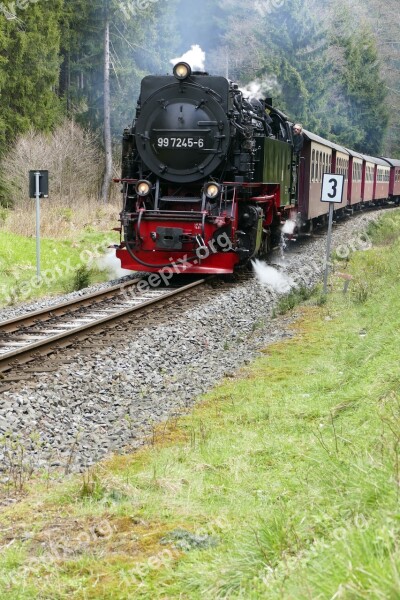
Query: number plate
{"type": "Point", "coordinates": [332, 188]}
{"type": "Point", "coordinates": [182, 142]}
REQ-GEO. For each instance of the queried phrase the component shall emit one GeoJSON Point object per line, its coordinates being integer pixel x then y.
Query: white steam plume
{"type": "Point", "coordinates": [271, 277]}
{"type": "Point", "coordinates": [289, 226]}
{"type": "Point", "coordinates": [112, 265]}
{"type": "Point", "coordinates": [195, 57]}
{"type": "Point", "coordinates": [259, 88]}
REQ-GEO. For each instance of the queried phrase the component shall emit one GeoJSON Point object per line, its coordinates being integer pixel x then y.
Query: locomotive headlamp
{"type": "Point", "coordinates": [143, 187]}
{"type": "Point", "coordinates": [212, 190]}
{"type": "Point", "coordinates": [182, 70]}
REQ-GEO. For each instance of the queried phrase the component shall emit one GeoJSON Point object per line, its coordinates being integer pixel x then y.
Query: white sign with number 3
{"type": "Point", "coordinates": [332, 188]}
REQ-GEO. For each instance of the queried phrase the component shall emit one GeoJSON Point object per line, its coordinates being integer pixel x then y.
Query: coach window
{"type": "Point", "coordinates": [313, 165]}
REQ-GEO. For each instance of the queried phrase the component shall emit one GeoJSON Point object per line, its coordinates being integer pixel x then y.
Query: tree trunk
{"type": "Point", "coordinates": [107, 120]}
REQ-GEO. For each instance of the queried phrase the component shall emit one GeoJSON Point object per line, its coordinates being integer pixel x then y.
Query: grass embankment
{"type": "Point", "coordinates": [70, 237]}
{"type": "Point", "coordinates": [283, 483]}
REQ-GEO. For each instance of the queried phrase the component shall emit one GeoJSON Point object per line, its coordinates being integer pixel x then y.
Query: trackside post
{"type": "Point", "coordinates": [332, 192]}
{"type": "Point", "coordinates": [38, 187]}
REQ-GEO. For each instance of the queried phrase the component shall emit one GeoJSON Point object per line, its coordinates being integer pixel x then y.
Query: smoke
{"type": "Point", "coordinates": [271, 277]}
{"type": "Point", "coordinates": [112, 265]}
{"type": "Point", "coordinates": [195, 57]}
{"type": "Point", "coordinates": [260, 87]}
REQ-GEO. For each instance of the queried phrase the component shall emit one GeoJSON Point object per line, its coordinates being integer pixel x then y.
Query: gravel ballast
{"type": "Point", "coordinates": [109, 398]}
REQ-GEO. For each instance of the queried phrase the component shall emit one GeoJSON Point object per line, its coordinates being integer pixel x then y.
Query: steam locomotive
{"type": "Point", "coordinates": [208, 176]}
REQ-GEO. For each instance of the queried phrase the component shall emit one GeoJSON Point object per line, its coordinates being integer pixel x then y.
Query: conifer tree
{"type": "Point", "coordinates": [29, 94]}
{"type": "Point", "coordinates": [364, 91]}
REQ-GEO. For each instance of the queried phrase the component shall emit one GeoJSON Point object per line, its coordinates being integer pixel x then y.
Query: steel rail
{"type": "Point", "coordinates": [29, 352]}
{"type": "Point", "coordinates": [45, 314]}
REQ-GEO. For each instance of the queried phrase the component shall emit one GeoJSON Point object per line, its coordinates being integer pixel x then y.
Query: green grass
{"type": "Point", "coordinates": [282, 483]}
{"type": "Point", "coordinates": [60, 264]}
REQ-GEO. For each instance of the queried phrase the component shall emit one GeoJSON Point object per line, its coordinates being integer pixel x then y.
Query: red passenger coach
{"type": "Point", "coordinates": [368, 178]}
{"type": "Point", "coordinates": [394, 181]}
{"type": "Point", "coordinates": [354, 193]}
{"type": "Point", "coordinates": [375, 181]}
{"type": "Point", "coordinates": [319, 156]}
{"type": "Point", "coordinates": [382, 177]}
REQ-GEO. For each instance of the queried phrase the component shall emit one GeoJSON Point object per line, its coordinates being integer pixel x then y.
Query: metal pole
{"type": "Point", "coordinates": [328, 247]}
{"type": "Point", "coordinates": [37, 196]}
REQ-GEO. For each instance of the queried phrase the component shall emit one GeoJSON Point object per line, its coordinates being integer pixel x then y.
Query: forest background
{"type": "Point", "coordinates": [334, 66]}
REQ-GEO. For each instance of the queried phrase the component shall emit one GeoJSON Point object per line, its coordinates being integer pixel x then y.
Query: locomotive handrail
{"type": "Point", "coordinates": [166, 213]}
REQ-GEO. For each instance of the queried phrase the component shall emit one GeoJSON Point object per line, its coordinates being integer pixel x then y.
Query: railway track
{"type": "Point", "coordinates": [39, 333]}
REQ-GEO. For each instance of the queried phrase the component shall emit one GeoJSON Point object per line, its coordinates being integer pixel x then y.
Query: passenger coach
{"type": "Point", "coordinates": [320, 156]}
{"type": "Point", "coordinates": [394, 180]}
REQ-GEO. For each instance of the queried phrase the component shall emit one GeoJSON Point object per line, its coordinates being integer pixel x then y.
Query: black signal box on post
{"type": "Point", "coordinates": [43, 184]}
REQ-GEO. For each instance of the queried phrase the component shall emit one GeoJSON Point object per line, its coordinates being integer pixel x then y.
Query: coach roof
{"type": "Point", "coordinates": [316, 138]}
